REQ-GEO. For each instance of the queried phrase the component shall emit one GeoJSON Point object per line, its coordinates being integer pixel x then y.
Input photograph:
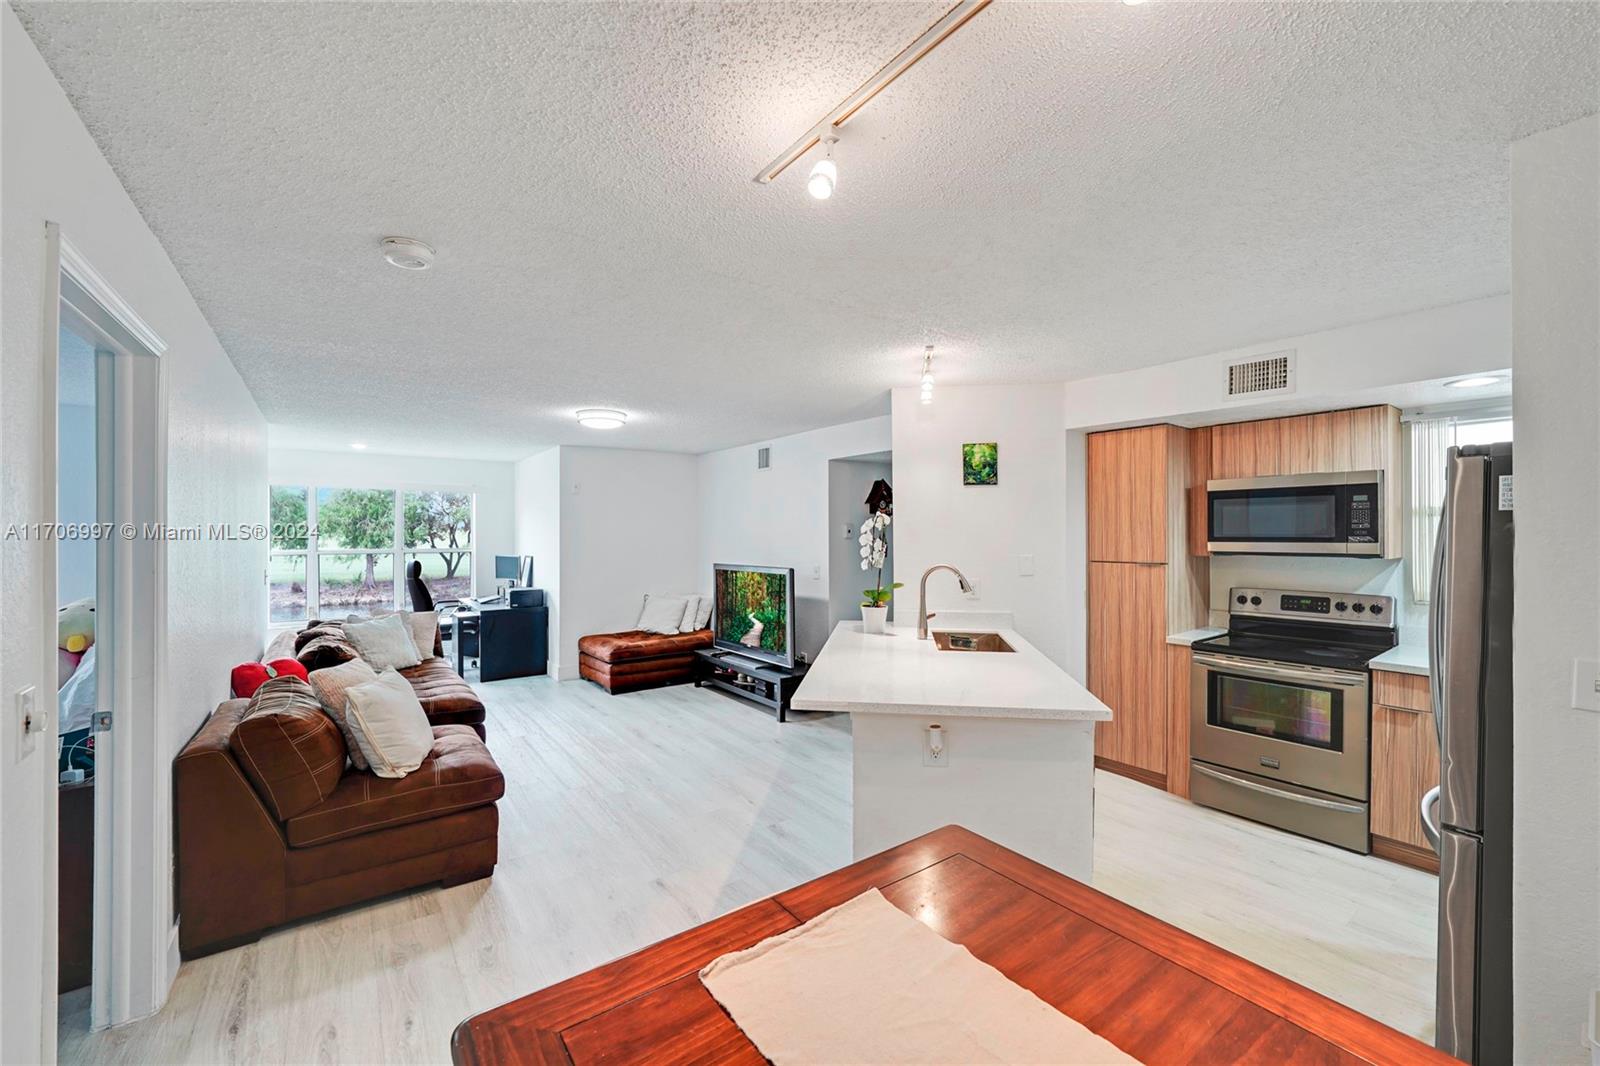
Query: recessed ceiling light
{"type": "Point", "coordinates": [602, 418]}
{"type": "Point", "coordinates": [407, 254]}
{"type": "Point", "coordinates": [359, 445]}
{"type": "Point", "coordinates": [1133, 3]}
{"type": "Point", "coordinates": [1477, 381]}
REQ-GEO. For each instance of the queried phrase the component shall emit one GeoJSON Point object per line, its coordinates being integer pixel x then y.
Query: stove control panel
{"type": "Point", "coordinates": [1352, 608]}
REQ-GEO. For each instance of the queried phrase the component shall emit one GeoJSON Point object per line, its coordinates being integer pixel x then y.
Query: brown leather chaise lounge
{"type": "Point", "coordinates": [242, 869]}
{"type": "Point", "coordinates": [622, 662]}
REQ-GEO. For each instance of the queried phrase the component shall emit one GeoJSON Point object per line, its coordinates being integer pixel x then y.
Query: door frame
{"type": "Point", "coordinates": [134, 933]}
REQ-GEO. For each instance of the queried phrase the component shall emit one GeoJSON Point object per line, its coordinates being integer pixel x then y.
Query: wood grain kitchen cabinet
{"type": "Point", "coordinates": [1405, 765]}
{"type": "Point", "coordinates": [1199, 474]}
{"type": "Point", "coordinates": [1127, 495]}
{"type": "Point", "coordinates": [1128, 665]}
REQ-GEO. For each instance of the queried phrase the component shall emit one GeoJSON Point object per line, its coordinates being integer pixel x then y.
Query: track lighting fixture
{"type": "Point", "coordinates": [927, 374]}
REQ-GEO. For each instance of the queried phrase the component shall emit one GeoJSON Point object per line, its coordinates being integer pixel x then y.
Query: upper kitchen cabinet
{"type": "Point", "coordinates": [1138, 480]}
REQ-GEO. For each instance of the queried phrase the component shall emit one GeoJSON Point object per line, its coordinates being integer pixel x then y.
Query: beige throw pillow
{"type": "Point", "coordinates": [332, 685]}
{"type": "Point", "coordinates": [662, 614]}
{"type": "Point", "coordinates": [384, 642]}
{"type": "Point", "coordinates": [702, 615]}
{"type": "Point", "coordinates": [424, 629]}
{"type": "Point", "coordinates": [691, 608]}
{"type": "Point", "coordinates": [389, 724]}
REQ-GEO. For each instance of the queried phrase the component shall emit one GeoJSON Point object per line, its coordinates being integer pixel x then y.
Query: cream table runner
{"type": "Point", "coordinates": [867, 983]}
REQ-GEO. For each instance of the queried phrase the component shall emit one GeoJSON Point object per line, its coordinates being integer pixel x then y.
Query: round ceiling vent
{"type": "Point", "coordinates": [407, 254]}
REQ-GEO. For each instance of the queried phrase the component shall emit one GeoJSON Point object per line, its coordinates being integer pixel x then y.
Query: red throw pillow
{"type": "Point", "coordinates": [247, 677]}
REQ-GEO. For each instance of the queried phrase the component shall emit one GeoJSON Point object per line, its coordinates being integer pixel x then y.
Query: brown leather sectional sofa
{"type": "Point", "coordinates": [622, 662]}
{"type": "Point", "coordinates": [242, 869]}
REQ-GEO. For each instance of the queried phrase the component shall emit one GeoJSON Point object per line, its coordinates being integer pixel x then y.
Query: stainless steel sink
{"type": "Point", "coordinates": [971, 642]}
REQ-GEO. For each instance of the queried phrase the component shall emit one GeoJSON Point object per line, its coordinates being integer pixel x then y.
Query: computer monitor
{"type": "Point", "coordinates": [507, 567]}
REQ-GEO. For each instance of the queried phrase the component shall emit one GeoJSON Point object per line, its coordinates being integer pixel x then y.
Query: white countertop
{"type": "Point", "coordinates": [1189, 636]}
{"type": "Point", "coordinates": [1403, 659]}
{"type": "Point", "coordinates": [895, 673]}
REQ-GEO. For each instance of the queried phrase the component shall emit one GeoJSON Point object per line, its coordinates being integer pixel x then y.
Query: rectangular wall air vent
{"type": "Point", "coordinates": [763, 458]}
{"type": "Point", "coordinates": [1263, 374]}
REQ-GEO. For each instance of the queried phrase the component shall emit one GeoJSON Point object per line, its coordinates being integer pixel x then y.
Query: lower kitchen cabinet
{"type": "Point", "coordinates": [1128, 667]}
{"type": "Point", "coordinates": [1405, 765]}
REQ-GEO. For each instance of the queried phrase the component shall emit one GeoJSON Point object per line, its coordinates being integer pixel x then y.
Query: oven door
{"type": "Point", "coordinates": [1300, 514]}
{"type": "Point", "coordinates": [1305, 725]}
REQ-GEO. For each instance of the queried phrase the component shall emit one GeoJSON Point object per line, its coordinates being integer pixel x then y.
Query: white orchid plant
{"type": "Point", "coordinates": [874, 542]}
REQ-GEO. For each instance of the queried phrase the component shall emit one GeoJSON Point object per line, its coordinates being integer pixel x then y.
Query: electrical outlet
{"type": "Point", "coordinates": [1586, 684]}
{"type": "Point", "coordinates": [28, 725]}
{"type": "Point", "coordinates": [1025, 565]}
{"type": "Point", "coordinates": [935, 746]}
{"type": "Point", "coordinates": [972, 589]}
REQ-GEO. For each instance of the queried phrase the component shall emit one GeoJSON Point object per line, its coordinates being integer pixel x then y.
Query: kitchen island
{"type": "Point", "coordinates": [1012, 759]}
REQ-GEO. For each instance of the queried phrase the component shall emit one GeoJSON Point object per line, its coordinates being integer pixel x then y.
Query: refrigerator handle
{"type": "Point", "coordinates": [1430, 827]}
{"type": "Point", "coordinates": [1437, 592]}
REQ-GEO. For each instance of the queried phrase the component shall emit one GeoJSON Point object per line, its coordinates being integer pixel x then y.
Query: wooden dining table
{"type": "Point", "coordinates": [1157, 992]}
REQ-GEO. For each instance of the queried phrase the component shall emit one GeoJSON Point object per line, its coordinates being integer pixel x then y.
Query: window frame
{"type": "Point", "coordinates": [396, 550]}
{"type": "Point", "coordinates": [1455, 417]}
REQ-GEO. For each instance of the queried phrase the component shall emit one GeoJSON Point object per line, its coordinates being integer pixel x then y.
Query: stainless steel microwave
{"type": "Point", "coordinates": [1297, 514]}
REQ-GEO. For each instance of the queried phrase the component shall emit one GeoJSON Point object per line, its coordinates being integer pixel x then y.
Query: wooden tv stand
{"type": "Point", "coordinates": [764, 683]}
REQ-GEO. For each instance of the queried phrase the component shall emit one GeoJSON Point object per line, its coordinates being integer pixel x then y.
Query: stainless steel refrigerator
{"type": "Point", "coordinates": [1469, 646]}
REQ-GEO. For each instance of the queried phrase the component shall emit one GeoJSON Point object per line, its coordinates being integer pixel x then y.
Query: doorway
{"type": "Point", "coordinates": [849, 481]}
{"type": "Point", "coordinates": [106, 614]}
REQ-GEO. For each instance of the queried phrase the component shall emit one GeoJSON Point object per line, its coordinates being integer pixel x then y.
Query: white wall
{"type": "Point", "coordinates": [984, 530]}
{"type": "Point", "coordinates": [537, 520]}
{"type": "Point", "coordinates": [75, 500]}
{"type": "Point", "coordinates": [779, 516]}
{"type": "Point", "coordinates": [216, 473]}
{"type": "Point", "coordinates": [491, 482]}
{"type": "Point", "coordinates": [1344, 367]}
{"type": "Point", "coordinates": [629, 526]}
{"type": "Point", "coordinates": [1555, 230]}
{"type": "Point", "coordinates": [849, 482]}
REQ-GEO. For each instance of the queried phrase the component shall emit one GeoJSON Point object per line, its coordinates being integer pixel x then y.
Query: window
{"type": "Point", "coordinates": [339, 551]}
{"type": "Point", "coordinates": [1431, 438]}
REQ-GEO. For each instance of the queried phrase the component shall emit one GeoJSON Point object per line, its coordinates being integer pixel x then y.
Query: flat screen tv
{"type": "Point", "coordinates": [753, 611]}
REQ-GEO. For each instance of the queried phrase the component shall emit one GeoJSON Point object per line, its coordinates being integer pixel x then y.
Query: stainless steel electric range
{"type": "Point", "coordinates": [1281, 711]}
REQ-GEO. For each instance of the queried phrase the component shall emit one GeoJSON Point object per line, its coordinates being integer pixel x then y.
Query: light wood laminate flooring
{"type": "Point", "coordinates": [629, 818]}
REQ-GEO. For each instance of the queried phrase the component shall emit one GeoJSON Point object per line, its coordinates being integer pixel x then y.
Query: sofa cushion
{"type": "Point", "coordinates": [291, 751]}
{"type": "Point", "coordinates": [637, 644]}
{"type": "Point", "coordinates": [443, 693]}
{"type": "Point", "coordinates": [458, 774]}
{"type": "Point", "coordinates": [331, 684]}
{"type": "Point", "coordinates": [323, 644]}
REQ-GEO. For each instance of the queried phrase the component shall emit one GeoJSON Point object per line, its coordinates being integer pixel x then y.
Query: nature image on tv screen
{"type": "Point", "coordinates": [753, 609]}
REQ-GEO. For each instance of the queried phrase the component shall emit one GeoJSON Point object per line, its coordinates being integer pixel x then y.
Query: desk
{"type": "Point", "coordinates": [512, 641]}
{"type": "Point", "coordinates": [1157, 992]}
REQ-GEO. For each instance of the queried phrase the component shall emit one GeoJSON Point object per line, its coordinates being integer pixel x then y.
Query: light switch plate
{"type": "Point", "coordinates": [972, 586]}
{"type": "Point", "coordinates": [28, 725]}
{"type": "Point", "coordinates": [1586, 684]}
{"type": "Point", "coordinates": [1025, 565]}
{"type": "Point", "coordinates": [816, 571]}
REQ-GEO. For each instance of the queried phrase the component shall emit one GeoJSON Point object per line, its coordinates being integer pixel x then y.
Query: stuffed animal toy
{"type": "Point", "coordinates": [66, 665]}
{"type": "Point", "coordinates": [247, 677]}
{"type": "Point", "coordinates": [75, 626]}
{"type": "Point", "coordinates": [74, 635]}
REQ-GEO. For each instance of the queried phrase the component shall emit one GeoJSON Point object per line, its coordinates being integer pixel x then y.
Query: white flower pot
{"type": "Point", "coordinates": [873, 619]}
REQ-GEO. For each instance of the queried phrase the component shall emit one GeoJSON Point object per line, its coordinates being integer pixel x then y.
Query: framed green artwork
{"type": "Point", "coordinates": [980, 464]}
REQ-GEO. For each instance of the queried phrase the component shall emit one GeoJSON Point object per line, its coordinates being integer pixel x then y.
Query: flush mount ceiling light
{"type": "Point", "coordinates": [602, 418]}
{"type": "Point", "coordinates": [825, 175]}
{"type": "Point", "coordinates": [927, 374]}
{"type": "Point", "coordinates": [359, 445]}
{"type": "Point", "coordinates": [931, 38]}
{"type": "Point", "coordinates": [407, 254]}
{"type": "Point", "coordinates": [1477, 381]}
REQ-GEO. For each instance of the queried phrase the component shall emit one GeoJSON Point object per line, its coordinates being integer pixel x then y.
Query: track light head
{"type": "Point", "coordinates": [825, 174]}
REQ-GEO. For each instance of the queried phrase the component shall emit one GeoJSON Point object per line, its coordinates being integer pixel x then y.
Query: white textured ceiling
{"type": "Point", "coordinates": [1060, 190]}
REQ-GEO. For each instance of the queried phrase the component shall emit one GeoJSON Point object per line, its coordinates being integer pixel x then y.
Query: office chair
{"type": "Point", "coordinates": [465, 631]}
